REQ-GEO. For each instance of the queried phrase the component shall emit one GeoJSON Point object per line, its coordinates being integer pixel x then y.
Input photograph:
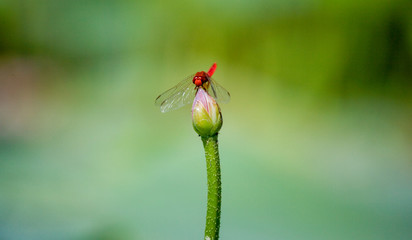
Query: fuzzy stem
{"type": "Point", "coordinates": [214, 185]}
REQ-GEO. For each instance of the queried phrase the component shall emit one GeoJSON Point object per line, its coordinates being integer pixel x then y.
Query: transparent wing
{"type": "Point", "coordinates": [219, 93]}
{"type": "Point", "coordinates": [178, 96]}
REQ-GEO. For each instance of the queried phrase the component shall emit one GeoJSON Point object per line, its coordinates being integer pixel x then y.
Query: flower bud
{"type": "Point", "coordinates": [206, 115]}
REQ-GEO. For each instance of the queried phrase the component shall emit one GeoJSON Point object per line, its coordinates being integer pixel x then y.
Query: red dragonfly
{"type": "Point", "coordinates": [185, 91]}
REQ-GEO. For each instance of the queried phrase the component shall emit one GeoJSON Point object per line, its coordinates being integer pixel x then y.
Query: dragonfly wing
{"type": "Point", "coordinates": [219, 93]}
{"type": "Point", "coordinates": [178, 96]}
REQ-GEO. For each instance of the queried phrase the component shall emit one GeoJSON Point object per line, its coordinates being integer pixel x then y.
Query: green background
{"type": "Point", "coordinates": [316, 141]}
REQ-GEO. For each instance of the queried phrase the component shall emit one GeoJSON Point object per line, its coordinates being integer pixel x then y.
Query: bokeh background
{"type": "Point", "coordinates": [316, 141]}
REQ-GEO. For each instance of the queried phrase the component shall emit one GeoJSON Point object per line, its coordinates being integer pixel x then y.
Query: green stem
{"type": "Point", "coordinates": [214, 185]}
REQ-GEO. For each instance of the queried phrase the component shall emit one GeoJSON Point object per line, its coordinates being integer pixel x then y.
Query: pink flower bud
{"type": "Point", "coordinates": [206, 115]}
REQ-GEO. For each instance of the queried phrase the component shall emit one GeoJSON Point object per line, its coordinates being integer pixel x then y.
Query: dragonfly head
{"type": "Point", "coordinates": [200, 78]}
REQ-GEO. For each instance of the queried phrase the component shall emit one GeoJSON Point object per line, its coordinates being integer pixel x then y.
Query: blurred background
{"type": "Point", "coordinates": [316, 141]}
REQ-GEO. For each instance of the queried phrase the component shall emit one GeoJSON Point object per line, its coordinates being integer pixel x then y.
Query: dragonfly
{"type": "Point", "coordinates": [185, 91]}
